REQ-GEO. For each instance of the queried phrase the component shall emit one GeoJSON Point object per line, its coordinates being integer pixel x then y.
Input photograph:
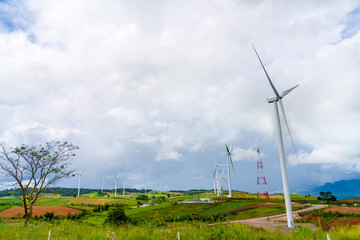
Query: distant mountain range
{"type": "Point", "coordinates": [342, 189]}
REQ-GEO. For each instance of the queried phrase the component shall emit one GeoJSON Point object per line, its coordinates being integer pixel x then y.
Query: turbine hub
{"type": "Point", "coordinates": [274, 99]}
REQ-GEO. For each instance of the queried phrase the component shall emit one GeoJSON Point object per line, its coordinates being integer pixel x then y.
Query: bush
{"type": "Point", "coordinates": [49, 216]}
{"type": "Point", "coordinates": [97, 209]}
{"type": "Point", "coordinates": [116, 216]}
{"type": "Point", "coordinates": [142, 197]}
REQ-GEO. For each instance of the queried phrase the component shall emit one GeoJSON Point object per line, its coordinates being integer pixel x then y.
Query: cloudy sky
{"type": "Point", "coordinates": [155, 89]}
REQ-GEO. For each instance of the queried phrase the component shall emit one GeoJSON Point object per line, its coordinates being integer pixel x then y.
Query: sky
{"type": "Point", "coordinates": [153, 90]}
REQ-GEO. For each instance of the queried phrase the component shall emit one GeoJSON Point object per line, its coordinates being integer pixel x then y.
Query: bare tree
{"type": "Point", "coordinates": [36, 167]}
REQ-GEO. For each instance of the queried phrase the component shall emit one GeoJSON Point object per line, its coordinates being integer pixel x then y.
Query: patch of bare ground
{"type": "Point", "coordinates": [333, 224]}
{"type": "Point", "coordinates": [278, 221]}
{"type": "Point", "coordinates": [275, 196]}
{"type": "Point", "coordinates": [341, 209]}
{"type": "Point", "coordinates": [350, 200]}
{"type": "Point", "coordinates": [38, 210]}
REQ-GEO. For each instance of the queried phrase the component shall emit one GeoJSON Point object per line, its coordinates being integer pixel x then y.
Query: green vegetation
{"type": "Point", "coordinates": [116, 216]}
{"type": "Point", "coordinates": [327, 196]}
{"type": "Point", "coordinates": [68, 230]}
{"type": "Point", "coordinates": [165, 217]}
{"type": "Point", "coordinates": [3, 207]}
{"type": "Point", "coordinates": [225, 206]}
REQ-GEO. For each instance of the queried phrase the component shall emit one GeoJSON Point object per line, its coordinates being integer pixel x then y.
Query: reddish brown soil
{"type": "Point", "coordinates": [175, 193]}
{"type": "Point", "coordinates": [38, 210]}
{"type": "Point", "coordinates": [344, 210]}
{"type": "Point", "coordinates": [335, 223]}
{"type": "Point", "coordinates": [273, 197]}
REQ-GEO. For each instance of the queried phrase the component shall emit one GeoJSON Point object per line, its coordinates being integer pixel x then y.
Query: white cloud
{"type": "Point", "coordinates": [179, 80]}
{"type": "Point", "coordinates": [168, 155]}
{"type": "Point", "coordinates": [239, 154]}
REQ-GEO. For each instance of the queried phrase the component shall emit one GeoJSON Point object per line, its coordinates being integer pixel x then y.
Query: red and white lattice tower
{"type": "Point", "coordinates": [261, 181]}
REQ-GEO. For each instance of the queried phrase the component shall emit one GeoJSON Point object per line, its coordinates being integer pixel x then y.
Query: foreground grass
{"type": "Point", "coordinates": [151, 230]}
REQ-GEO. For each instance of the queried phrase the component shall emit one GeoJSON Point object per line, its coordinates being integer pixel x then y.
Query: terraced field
{"type": "Point", "coordinates": [38, 210]}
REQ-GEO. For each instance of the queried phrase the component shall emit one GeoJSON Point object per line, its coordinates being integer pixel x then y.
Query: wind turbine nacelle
{"type": "Point", "coordinates": [271, 100]}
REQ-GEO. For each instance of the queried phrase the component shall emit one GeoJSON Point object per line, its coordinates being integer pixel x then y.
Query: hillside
{"type": "Point", "coordinates": [342, 189]}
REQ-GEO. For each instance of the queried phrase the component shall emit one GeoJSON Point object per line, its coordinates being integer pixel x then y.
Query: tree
{"type": "Point", "coordinates": [116, 216]}
{"type": "Point", "coordinates": [34, 168]}
{"type": "Point", "coordinates": [327, 196]}
{"type": "Point", "coordinates": [142, 197]}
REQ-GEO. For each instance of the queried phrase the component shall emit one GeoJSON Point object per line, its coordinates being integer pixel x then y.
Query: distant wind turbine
{"type": "Point", "coordinates": [102, 185]}
{"type": "Point", "coordinates": [275, 100]}
{"type": "Point", "coordinates": [80, 175]}
{"type": "Point", "coordinates": [116, 182]}
{"type": "Point", "coordinates": [124, 186]}
{"type": "Point", "coordinates": [217, 180]}
{"type": "Point", "coordinates": [214, 181]}
{"type": "Point", "coordinates": [229, 161]}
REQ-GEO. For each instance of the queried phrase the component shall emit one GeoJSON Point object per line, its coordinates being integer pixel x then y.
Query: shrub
{"type": "Point", "coordinates": [116, 216]}
{"type": "Point", "coordinates": [97, 209]}
{"type": "Point", "coordinates": [49, 216]}
{"type": "Point", "coordinates": [142, 197]}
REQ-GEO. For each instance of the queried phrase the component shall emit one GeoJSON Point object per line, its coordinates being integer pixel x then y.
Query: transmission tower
{"type": "Point", "coordinates": [261, 181]}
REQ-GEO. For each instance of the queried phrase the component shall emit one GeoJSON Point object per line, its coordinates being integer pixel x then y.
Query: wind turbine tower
{"type": "Point", "coordinates": [217, 180]}
{"type": "Point", "coordinates": [80, 175]}
{"type": "Point", "coordinates": [124, 187]}
{"type": "Point", "coordinates": [102, 185]}
{"type": "Point", "coordinates": [275, 100]}
{"type": "Point", "coordinates": [116, 182]}
{"type": "Point", "coordinates": [214, 181]}
{"type": "Point", "coordinates": [79, 184]}
{"type": "Point", "coordinates": [229, 161]}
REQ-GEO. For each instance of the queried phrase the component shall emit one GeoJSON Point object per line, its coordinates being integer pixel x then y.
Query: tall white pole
{"type": "Point", "coordinates": [214, 181]}
{"type": "Point", "coordinates": [115, 185]}
{"type": "Point", "coordinates": [79, 186]}
{"type": "Point", "coordinates": [124, 187]}
{"type": "Point", "coordinates": [102, 185]}
{"type": "Point", "coordinates": [283, 169]}
{"type": "Point", "coordinates": [229, 178]}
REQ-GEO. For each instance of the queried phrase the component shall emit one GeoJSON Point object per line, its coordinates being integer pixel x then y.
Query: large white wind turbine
{"type": "Point", "coordinates": [229, 161]}
{"type": "Point", "coordinates": [80, 175]}
{"type": "Point", "coordinates": [116, 182]}
{"type": "Point", "coordinates": [275, 100]}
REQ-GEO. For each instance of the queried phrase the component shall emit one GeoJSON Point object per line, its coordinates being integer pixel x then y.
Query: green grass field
{"type": "Point", "coordinates": [69, 230]}
{"type": "Point", "coordinates": [163, 220]}
{"type": "Point", "coordinates": [225, 206]}
{"type": "Point", "coordinates": [3, 207]}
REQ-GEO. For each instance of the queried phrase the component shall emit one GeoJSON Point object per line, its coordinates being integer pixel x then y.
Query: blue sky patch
{"type": "Point", "coordinates": [14, 16]}
{"type": "Point", "coordinates": [352, 24]}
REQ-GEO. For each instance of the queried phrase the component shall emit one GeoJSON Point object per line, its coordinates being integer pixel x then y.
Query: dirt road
{"type": "Point", "coordinates": [278, 221]}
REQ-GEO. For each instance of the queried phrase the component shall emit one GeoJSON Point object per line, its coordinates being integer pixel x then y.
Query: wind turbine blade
{"type": "Point", "coordinates": [267, 75]}
{"type": "Point", "coordinates": [284, 93]}
{"type": "Point", "coordinates": [232, 164]}
{"type": "Point", "coordinates": [227, 149]}
{"type": "Point", "coordinates": [287, 126]}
